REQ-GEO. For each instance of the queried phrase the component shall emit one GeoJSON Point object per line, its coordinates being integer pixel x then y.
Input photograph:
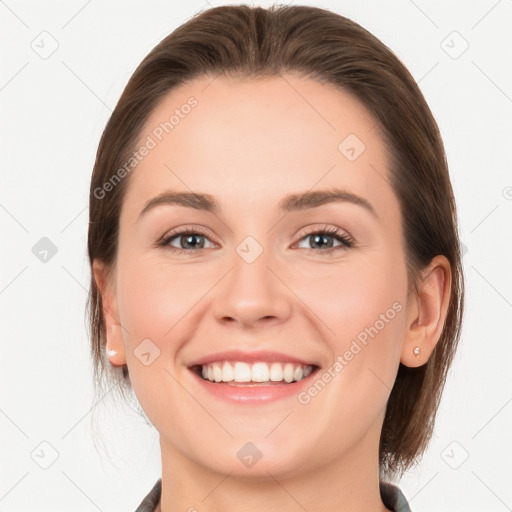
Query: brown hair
{"type": "Point", "coordinates": [244, 41]}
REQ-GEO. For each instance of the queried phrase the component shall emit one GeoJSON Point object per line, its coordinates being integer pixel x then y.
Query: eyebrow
{"type": "Point", "coordinates": [291, 203]}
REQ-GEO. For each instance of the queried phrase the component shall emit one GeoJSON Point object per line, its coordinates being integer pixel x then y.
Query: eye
{"type": "Point", "coordinates": [324, 239]}
{"type": "Point", "coordinates": [187, 240]}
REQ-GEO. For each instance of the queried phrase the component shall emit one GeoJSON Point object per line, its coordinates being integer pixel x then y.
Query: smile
{"type": "Point", "coordinates": [240, 383]}
{"type": "Point", "coordinates": [262, 373]}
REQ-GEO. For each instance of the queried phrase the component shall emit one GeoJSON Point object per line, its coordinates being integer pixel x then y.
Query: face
{"type": "Point", "coordinates": [267, 276]}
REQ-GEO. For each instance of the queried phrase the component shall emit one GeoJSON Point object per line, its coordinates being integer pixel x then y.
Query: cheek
{"type": "Point", "coordinates": [350, 297]}
{"type": "Point", "coordinates": [362, 306]}
{"type": "Point", "coordinates": [152, 296]}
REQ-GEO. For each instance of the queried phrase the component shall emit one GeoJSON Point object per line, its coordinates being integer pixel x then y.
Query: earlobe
{"type": "Point", "coordinates": [427, 313]}
{"type": "Point", "coordinates": [114, 348]}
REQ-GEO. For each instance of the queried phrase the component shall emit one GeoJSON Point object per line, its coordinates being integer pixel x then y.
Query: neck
{"type": "Point", "coordinates": [343, 484]}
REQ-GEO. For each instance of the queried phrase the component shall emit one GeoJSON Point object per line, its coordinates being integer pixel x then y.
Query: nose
{"type": "Point", "coordinates": [253, 294]}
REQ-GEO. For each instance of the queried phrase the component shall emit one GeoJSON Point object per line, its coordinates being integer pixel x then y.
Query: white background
{"type": "Point", "coordinates": [53, 112]}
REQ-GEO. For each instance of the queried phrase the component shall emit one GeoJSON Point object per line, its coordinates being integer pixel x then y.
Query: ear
{"type": "Point", "coordinates": [427, 312]}
{"type": "Point", "coordinates": [113, 327]}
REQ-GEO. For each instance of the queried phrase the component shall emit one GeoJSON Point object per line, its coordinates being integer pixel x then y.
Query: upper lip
{"type": "Point", "coordinates": [250, 357]}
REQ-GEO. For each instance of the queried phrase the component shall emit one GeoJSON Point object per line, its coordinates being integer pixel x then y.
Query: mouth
{"type": "Point", "coordinates": [259, 373]}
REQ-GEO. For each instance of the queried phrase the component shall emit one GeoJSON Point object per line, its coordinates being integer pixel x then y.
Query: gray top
{"type": "Point", "coordinates": [391, 496]}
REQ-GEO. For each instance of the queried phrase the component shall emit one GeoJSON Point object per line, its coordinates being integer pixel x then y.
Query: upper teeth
{"type": "Point", "coordinates": [256, 372]}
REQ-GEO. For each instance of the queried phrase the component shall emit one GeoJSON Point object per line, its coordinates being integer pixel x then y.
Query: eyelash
{"type": "Point", "coordinates": [346, 240]}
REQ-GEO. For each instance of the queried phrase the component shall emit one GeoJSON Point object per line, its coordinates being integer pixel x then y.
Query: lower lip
{"type": "Point", "coordinates": [253, 394]}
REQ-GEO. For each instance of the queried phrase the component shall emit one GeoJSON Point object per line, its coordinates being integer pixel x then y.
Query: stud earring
{"type": "Point", "coordinates": [111, 352]}
{"type": "Point", "coordinates": [417, 352]}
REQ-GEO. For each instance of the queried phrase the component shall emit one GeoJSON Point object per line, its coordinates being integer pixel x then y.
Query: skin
{"type": "Point", "coordinates": [249, 143]}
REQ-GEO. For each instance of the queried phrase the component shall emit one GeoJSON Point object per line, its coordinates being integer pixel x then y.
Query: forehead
{"type": "Point", "coordinates": [248, 140]}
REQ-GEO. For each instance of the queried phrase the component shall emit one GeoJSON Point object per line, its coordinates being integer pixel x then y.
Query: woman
{"type": "Point", "coordinates": [275, 263]}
